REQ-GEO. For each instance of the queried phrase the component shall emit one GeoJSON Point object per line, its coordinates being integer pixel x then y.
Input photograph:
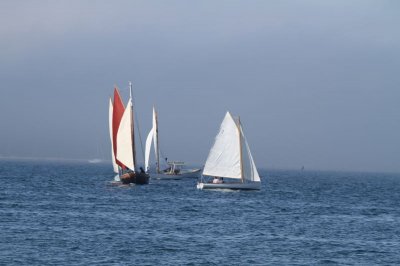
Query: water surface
{"type": "Point", "coordinates": [72, 213]}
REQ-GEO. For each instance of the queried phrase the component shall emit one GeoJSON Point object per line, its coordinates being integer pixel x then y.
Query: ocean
{"type": "Point", "coordinates": [65, 213]}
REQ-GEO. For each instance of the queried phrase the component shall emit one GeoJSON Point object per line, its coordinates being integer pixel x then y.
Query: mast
{"type": "Point", "coordinates": [158, 147]}
{"type": "Point", "coordinates": [132, 127]}
{"type": "Point", "coordinates": [241, 152]}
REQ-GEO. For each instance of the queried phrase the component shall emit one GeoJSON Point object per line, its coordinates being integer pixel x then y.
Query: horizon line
{"type": "Point", "coordinates": [103, 161]}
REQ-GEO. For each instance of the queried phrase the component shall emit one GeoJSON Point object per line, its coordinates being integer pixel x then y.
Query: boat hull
{"type": "Point", "coordinates": [166, 176]}
{"type": "Point", "coordinates": [182, 174]}
{"type": "Point", "coordinates": [135, 178]}
{"type": "Point", "coordinates": [190, 173]}
{"type": "Point", "coordinates": [234, 186]}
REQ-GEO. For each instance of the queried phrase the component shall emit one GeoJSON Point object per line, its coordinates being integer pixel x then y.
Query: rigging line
{"type": "Point", "coordinates": [165, 163]}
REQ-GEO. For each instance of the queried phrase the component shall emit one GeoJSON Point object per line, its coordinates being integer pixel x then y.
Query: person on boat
{"type": "Point", "coordinates": [217, 180]}
{"type": "Point", "coordinates": [177, 170]}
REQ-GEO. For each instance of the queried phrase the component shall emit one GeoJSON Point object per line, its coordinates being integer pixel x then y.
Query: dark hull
{"type": "Point", "coordinates": [135, 178]}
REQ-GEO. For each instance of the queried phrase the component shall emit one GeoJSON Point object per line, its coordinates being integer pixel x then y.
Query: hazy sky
{"type": "Point", "coordinates": [316, 83]}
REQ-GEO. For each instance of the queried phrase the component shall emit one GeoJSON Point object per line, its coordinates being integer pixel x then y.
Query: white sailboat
{"type": "Point", "coordinates": [173, 170]}
{"type": "Point", "coordinates": [99, 153]}
{"type": "Point", "coordinates": [122, 136]}
{"type": "Point", "coordinates": [230, 162]}
{"type": "Point", "coordinates": [95, 160]}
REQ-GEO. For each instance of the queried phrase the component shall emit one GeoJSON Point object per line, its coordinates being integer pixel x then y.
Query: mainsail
{"type": "Point", "coordinates": [148, 148]}
{"type": "Point", "coordinates": [125, 152]}
{"type": "Point", "coordinates": [155, 138]}
{"type": "Point", "coordinates": [152, 136]}
{"type": "Point", "coordinates": [110, 123]}
{"type": "Point", "coordinates": [224, 157]}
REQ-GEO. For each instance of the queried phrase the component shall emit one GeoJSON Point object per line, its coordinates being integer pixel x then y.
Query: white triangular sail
{"type": "Point", "coordinates": [250, 172]}
{"type": "Point", "coordinates": [148, 148]}
{"type": "Point", "coordinates": [152, 136]}
{"type": "Point", "coordinates": [110, 117]}
{"type": "Point", "coordinates": [224, 157]}
{"type": "Point", "coordinates": [155, 138]}
{"type": "Point", "coordinates": [124, 138]}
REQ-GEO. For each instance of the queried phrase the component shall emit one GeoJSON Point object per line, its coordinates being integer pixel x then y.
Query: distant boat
{"type": "Point", "coordinates": [230, 162]}
{"type": "Point", "coordinates": [122, 134]}
{"type": "Point", "coordinates": [95, 160]}
{"type": "Point", "coordinates": [172, 170]}
{"type": "Point", "coordinates": [99, 155]}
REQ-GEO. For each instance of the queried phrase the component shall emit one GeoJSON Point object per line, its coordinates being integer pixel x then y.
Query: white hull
{"type": "Point", "coordinates": [183, 174]}
{"type": "Point", "coordinates": [190, 173]}
{"type": "Point", "coordinates": [165, 176]}
{"type": "Point", "coordinates": [242, 186]}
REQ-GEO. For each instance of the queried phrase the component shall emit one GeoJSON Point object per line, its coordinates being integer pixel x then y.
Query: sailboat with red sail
{"type": "Point", "coordinates": [122, 135]}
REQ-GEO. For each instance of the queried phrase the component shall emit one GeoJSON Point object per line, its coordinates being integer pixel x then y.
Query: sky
{"type": "Point", "coordinates": [316, 83]}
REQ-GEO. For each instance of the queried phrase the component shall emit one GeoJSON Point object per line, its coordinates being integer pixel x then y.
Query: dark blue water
{"type": "Point", "coordinates": [71, 214]}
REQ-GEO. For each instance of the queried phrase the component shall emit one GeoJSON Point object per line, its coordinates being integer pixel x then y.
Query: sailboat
{"type": "Point", "coordinates": [122, 134]}
{"type": "Point", "coordinates": [173, 169]}
{"type": "Point", "coordinates": [99, 157]}
{"type": "Point", "coordinates": [230, 162]}
{"type": "Point", "coordinates": [95, 160]}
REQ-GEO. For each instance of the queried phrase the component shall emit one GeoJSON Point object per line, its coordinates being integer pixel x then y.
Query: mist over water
{"type": "Point", "coordinates": [315, 83]}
